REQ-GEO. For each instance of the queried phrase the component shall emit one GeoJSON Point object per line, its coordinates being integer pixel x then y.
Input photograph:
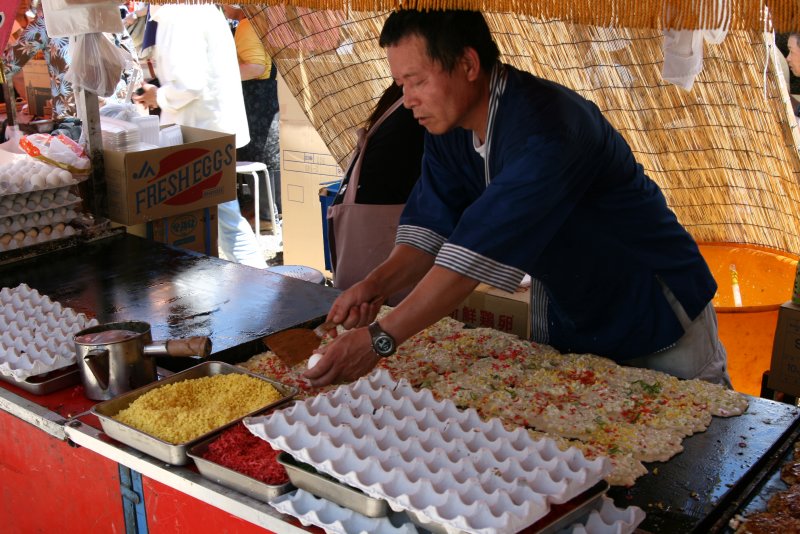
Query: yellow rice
{"type": "Point", "coordinates": [185, 410]}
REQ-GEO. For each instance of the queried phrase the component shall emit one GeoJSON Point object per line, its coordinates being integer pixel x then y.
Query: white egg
{"type": "Point", "coordinates": [37, 181]}
{"type": "Point", "coordinates": [65, 176]}
{"type": "Point", "coordinates": [53, 179]}
{"type": "Point", "coordinates": [313, 360]}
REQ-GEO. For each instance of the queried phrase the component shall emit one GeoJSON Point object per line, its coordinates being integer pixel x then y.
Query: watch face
{"type": "Point", "coordinates": [384, 345]}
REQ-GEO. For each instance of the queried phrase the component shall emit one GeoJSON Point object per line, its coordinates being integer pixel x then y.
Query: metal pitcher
{"type": "Point", "coordinates": [124, 358]}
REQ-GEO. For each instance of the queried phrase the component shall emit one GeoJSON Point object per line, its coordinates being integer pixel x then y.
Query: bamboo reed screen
{"type": "Point", "coordinates": [725, 153]}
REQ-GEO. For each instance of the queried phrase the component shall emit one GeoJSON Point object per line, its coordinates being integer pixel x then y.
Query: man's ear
{"type": "Point", "coordinates": [470, 62]}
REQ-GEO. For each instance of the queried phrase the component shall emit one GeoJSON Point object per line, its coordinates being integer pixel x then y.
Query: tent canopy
{"type": "Point", "coordinates": [724, 153]}
{"type": "Point", "coordinates": [756, 15]}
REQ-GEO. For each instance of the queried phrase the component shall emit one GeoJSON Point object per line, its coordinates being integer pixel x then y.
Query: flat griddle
{"type": "Point", "coordinates": [180, 293]}
{"type": "Point", "coordinates": [719, 470]}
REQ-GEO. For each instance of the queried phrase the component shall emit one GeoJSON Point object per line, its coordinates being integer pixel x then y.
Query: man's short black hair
{"type": "Point", "coordinates": [447, 33]}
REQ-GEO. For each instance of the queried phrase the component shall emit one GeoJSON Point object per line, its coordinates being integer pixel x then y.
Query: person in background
{"type": "Point", "coordinates": [143, 37]}
{"type": "Point", "coordinates": [197, 69]}
{"type": "Point", "coordinates": [260, 88]}
{"type": "Point", "coordinates": [363, 219]}
{"type": "Point", "coordinates": [522, 175]}
{"type": "Point", "coordinates": [793, 59]}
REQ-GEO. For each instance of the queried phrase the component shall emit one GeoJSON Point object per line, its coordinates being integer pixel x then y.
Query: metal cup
{"type": "Point", "coordinates": [109, 369]}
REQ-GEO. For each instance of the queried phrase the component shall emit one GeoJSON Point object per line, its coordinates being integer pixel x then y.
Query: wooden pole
{"type": "Point", "coordinates": [89, 113]}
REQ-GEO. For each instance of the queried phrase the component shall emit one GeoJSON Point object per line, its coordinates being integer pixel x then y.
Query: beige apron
{"type": "Point", "coordinates": [362, 235]}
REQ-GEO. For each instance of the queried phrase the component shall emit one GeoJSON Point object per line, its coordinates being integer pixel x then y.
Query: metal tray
{"type": "Point", "coordinates": [233, 479]}
{"type": "Point", "coordinates": [49, 382]}
{"type": "Point", "coordinates": [169, 452]}
{"type": "Point", "coordinates": [323, 486]}
{"type": "Point", "coordinates": [559, 518]}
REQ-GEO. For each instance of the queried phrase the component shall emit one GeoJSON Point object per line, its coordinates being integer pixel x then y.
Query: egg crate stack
{"type": "Point", "coordinates": [37, 203]}
{"type": "Point", "coordinates": [444, 467]}
{"type": "Point", "coordinates": [335, 519]}
{"type": "Point", "coordinates": [36, 333]}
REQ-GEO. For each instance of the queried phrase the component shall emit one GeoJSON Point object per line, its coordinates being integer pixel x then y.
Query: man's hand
{"type": "Point", "coordinates": [347, 358]}
{"type": "Point", "coordinates": [146, 95]}
{"type": "Point", "coordinates": [356, 307]}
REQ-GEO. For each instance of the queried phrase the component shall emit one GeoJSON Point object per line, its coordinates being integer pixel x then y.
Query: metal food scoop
{"type": "Point", "coordinates": [294, 345]}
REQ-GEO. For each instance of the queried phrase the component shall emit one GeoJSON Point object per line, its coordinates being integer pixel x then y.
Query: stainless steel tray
{"type": "Point", "coordinates": [169, 452]}
{"type": "Point", "coordinates": [560, 517]}
{"type": "Point", "coordinates": [233, 479]}
{"type": "Point", "coordinates": [323, 486]}
{"type": "Point", "coordinates": [47, 383]}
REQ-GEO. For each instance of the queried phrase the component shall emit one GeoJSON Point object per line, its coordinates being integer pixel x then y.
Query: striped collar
{"type": "Point", "coordinates": [497, 84]}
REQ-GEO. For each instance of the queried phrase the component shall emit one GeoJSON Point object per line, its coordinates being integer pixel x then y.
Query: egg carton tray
{"type": "Point", "coordinates": [36, 236]}
{"type": "Point", "coordinates": [39, 219]}
{"type": "Point", "coordinates": [444, 464]}
{"type": "Point", "coordinates": [37, 203]}
{"type": "Point", "coordinates": [36, 333]}
{"type": "Point", "coordinates": [34, 177]}
{"type": "Point", "coordinates": [310, 510]}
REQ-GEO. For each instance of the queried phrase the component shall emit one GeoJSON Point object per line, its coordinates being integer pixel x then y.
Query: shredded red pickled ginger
{"type": "Point", "coordinates": [238, 449]}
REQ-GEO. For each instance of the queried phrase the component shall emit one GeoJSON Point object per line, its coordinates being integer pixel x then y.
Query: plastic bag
{"type": "Point", "coordinates": [97, 64]}
{"type": "Point", "coordinates": [58, 150]}
{"type": "Point", "coordinates": [75, 17]}
{"type": "Point", "coordinates": [123, 112]}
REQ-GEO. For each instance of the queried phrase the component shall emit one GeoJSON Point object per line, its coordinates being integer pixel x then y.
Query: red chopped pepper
{"type": "Point", "coordinates": [238, 449]}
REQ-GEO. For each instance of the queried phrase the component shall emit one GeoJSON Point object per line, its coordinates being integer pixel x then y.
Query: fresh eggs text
{"type": "Point", "coordinates": [167, 184]}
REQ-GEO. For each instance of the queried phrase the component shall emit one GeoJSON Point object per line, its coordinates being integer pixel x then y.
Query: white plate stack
{"type": "Point", "coordinates": [119, 135]}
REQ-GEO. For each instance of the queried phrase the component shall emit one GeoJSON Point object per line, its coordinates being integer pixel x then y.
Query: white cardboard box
{"type": "Point", "coordinates": [163, 182]}
{"type": "Point", "coordinates": [494, 308]}
{"type": "Point", "coordinates": [306, 165]}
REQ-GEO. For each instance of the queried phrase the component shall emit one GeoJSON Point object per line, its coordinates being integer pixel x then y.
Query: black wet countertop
{"type": "Point", "coordinates": [718, 473]}
{"type": "Point", "coordinates": [180, 293]}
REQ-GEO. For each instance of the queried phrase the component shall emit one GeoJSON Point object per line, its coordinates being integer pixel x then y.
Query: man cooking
{"type": "Point", "coordinates": [521, 175]}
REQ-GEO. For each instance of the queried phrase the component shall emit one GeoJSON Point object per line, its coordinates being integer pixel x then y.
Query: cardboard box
{"type": "Point", "coordinates": [494, 308]}
{"type": "Point", "coordinates": [784, 373]}
{"type": "Point", "coordinates": [306, 165]}
{"type": "Point", "coordinates": [153, 184]}
{"type": "Point", "coordinates": [195, 230]}
{"type": "Point", "coordinates": [37, 87]}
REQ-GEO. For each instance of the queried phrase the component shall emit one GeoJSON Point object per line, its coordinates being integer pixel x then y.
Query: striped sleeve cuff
{"type": "Point", "coordinates": [471, 264]}
{"type": "Point", "coordinates": [419, 237]}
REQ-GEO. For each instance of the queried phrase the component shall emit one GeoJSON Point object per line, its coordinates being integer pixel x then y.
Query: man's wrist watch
{"type": "Point", "coordinates": [383, 344]}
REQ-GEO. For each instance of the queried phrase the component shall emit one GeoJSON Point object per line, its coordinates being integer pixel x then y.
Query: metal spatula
{"type": "Point", "coordinates": [294, 345]}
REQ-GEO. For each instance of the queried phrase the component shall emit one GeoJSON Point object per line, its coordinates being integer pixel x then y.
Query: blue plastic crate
{"type": "Point", "coordinates": [327, 193]}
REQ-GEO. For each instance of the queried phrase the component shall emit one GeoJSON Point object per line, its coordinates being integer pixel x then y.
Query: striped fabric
{"type": "Point", "coordinates": [419, 237]}
{"type": "Point", "coordinates": [540, 329]}
{"type": "Point", "coordinates": [497, 84]}
{"type": "Point", "coordinates": [474, 265]}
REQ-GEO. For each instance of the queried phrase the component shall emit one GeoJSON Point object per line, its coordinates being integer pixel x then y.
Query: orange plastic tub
{"type": "Point", "coordinates": [747, 328]}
